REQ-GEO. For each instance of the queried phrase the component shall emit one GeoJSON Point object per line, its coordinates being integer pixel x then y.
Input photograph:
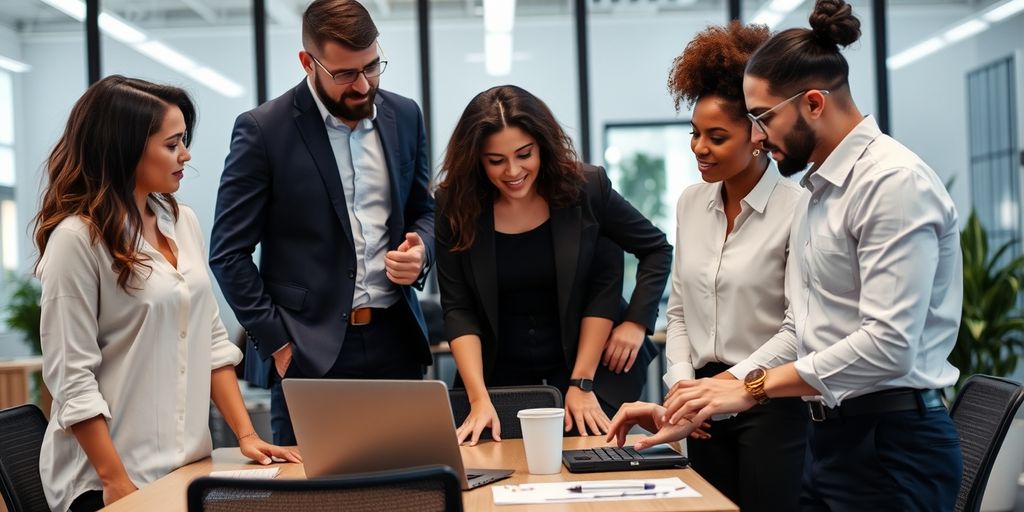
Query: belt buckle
{"type": "Point", "coordinates": [361, 316]}
{"type": "Point", "coordinates": [817, 411]}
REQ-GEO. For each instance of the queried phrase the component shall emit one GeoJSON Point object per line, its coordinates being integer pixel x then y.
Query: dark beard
{"type": "Point", "coordinates": [800, 142]}
{"type": "Point", "coordinates": [339, 109]}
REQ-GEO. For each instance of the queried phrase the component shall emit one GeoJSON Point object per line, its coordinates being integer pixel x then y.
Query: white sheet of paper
{"type": "Point", "coordinates": [558, 492]}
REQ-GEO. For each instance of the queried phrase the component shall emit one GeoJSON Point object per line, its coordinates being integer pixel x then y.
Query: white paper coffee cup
{"type": "Point", "coordinates": [542, 437]}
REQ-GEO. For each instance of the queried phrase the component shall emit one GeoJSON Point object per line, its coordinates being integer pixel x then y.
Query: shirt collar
{"type": "Point", "coordinates": [334, 122]}
{"type": "Point", "coordinates": [164, 216]}
{"type": "Point", "coordinates": [758, 196]}
{"type": "Point", "coordinates": [837, 167]}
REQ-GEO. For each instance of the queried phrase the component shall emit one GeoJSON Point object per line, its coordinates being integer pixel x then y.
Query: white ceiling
{"type": "Point", "coordinates": [29, 16]}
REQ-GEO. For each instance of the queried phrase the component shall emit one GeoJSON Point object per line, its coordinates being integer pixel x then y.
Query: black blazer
{"type": "Point", "coordinates": [468, 279]}
{"type": "Point", "coordinates": [281, 189]}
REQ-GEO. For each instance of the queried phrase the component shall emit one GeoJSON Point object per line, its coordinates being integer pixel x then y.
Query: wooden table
{"type": "Point", "coordinates": [168, 493]}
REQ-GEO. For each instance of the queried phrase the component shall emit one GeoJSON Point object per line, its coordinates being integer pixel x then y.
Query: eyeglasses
{"type": "Point", "coordinates": [756, 120]}
{"type": "Point", "coordinates": [373, 70]}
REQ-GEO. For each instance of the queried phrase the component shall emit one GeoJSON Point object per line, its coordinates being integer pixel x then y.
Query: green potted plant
{"type": "Point", "coordinates": [23, 310]}
{"type": "Point", "coordinates": [23, 313]}
{"type": "Point", "coordinates": [991, 340]}
{"type": "Point", "coordinates": [991, 337]}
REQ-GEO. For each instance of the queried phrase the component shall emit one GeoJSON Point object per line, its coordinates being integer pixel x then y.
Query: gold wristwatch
{"type": "Point", "coordinates": [754, 382]}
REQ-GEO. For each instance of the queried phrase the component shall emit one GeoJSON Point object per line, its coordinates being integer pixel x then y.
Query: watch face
{"type": "Point", "coordinates": [754, 374]}
{"type": "Point", "coordinates": [583, 384]}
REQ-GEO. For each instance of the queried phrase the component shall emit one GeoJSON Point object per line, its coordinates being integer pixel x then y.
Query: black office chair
{"type": "Point", "coordinates": [421, 489]}
{"type": "Point", "coordinates": [21, 436]}
{"type": "Point", "coordinates": [982, 412]}
{"type": "Point", "coordinates": [508, 401]}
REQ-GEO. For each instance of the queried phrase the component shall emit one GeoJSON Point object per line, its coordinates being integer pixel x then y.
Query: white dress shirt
{"type": "Point", "coordinates": [727, 293]}
{"type": "Point", "coordinates": [364, 176]}
{"type": "Point", "coordinates": [876, 285]}
{"type": "Point", "coordinates": [142, 360]}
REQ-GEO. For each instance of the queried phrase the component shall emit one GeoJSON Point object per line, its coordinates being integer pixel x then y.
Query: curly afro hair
{"type": "Point", "coordinates": [713, 63]}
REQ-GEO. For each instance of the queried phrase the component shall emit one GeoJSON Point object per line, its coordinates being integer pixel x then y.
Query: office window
{"type": "Point", "coordinates": [994, 169]}
{"type": "Point", "coordinates": [8, 179]}
{"type": "Point", "coordinates": [477, 45]}
{"type": "Point", "coordinates": [650, 164]}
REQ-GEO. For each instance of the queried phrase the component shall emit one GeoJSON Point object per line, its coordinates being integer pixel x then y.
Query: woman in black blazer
{"type": "Point", "coordinates": [529, 286]}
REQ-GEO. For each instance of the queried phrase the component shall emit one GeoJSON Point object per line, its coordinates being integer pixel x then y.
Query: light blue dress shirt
{"type": "Point", "coordinates": [364, 177]}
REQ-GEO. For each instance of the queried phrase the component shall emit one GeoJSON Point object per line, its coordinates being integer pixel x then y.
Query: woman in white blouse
{"type": "Point", "coordinates": [133, 345]}
{"type": "Point", "coordinates": [727, 295]}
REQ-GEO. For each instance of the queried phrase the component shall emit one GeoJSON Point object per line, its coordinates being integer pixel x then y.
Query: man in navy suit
{"type": "Point", "coordinates": [332, 180]}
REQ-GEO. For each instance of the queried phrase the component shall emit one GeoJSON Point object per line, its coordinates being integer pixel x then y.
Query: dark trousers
{"type": "Point", "coordinates": [899, 461]}
{"type": "Point", "coordinates": [88, 501]}
{"type": "Point", "coordinates": [380, 350]}
{"type": "Point", "coordinates": [756, 458]}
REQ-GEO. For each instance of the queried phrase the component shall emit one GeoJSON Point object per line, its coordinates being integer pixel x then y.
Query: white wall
{"type": "Point", "coordinates": [928, 97]}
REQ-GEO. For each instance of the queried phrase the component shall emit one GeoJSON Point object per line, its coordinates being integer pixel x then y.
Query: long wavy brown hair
{"type": "Point", "coordinates": [91, 170]}
{"type": "Point", "coordinates": [464, 180]}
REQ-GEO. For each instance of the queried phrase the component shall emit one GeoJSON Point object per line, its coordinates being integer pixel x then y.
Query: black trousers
{"type": "Point", "coordinates": [88, 501]}
{"type": "Point", "coordinates": [899, 461]}
{"type": "Point", "coordinates": [380, 350]}
{"type": "Point", "coordinates": [756, 458]}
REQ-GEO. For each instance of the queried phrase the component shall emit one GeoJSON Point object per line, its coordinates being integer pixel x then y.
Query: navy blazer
{"type": "Point", "coordinates": [585, 264]}
{"type": "Point", "coordinates": [281, 188]}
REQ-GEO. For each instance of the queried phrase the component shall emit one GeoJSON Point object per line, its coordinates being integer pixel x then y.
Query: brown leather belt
{"type": "Point", "coordinates": [361, 316]}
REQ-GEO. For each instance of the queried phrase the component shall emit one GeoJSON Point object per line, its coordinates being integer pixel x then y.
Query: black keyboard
{"type": "Point", "coordinates": [612, 453]}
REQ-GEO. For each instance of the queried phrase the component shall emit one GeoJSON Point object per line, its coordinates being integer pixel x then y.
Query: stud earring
{"type": "Point", "coordinates": [757, 152]}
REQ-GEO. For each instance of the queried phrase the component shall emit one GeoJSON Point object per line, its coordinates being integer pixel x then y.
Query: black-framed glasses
{"type": "Point", "coordinates": [756, 120]}
{"type": "Point", "coordinates": [373, 70]}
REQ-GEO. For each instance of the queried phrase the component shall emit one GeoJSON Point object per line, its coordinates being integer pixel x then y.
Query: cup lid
{"type": "Point", "coordinates": [546, 412]}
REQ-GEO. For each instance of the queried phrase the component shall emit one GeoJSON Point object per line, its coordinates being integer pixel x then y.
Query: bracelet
{"type": "Point", "coordinates": [250, 434]}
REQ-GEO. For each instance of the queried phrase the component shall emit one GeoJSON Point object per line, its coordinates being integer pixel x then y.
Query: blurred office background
{"type": "Point", "coordinates": [942, 76]}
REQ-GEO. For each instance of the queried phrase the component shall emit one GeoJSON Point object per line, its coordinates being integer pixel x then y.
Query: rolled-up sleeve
{"type": "Point", "coordinates": [69, 274]}
{"type": "Point", "coordinates": [222, 351]}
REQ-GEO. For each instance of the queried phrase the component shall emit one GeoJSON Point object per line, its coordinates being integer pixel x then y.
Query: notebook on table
{"type": "Point", "coordinates": [354, 426]}
{"type": "Point", "coordinates": [610, 458]}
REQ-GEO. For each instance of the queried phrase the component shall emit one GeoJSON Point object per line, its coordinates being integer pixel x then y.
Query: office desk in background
{"type": "Point", "coordinates": [168, 493]}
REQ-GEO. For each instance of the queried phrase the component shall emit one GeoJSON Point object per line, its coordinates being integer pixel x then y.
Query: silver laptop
{"type": "Point", "coordinates": [353, 426]}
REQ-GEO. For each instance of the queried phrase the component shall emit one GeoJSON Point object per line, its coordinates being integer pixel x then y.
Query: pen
{"type": "Point", "coordinates": [611, 485]}
{"type": "Point", "coordinates": [608, 495]}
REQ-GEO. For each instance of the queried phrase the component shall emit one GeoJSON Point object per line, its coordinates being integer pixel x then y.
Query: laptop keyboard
{"type": "Point", "coordinates": [612, 453]}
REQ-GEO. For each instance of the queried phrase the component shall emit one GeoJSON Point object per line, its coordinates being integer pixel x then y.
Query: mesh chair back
{"type": "Point", "coordinates": [982, 413]}
{"type": "Point", "coordinates": [21, 436]}
{"type": "Point", "coordinates": [422, 489]}
{"type": "Point", "coordinates": [508, 401]}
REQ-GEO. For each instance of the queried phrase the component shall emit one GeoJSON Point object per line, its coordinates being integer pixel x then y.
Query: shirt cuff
{"type": "Point", "coordinates": [678, 372]}
{"type": "Point", "coordinates": [286, 344]}
{"type": "Point", "coordinates": [81, 408]}
{"type": "Point", "coordinates": [224, 354]}
{"type": "Point", "coordinates": [805, 368]}
{"type": "Point", "coordinates": [742, 368]}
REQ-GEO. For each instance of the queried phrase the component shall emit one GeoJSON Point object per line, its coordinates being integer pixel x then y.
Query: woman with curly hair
{"type": "Point", "coordinates": [727, 294]}
{"type": "Point", "coordinates": [530, 284]}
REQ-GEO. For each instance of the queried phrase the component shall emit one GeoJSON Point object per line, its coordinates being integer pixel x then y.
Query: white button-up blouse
{"type": "Point", "coordinates": [141, 359]}
{"type": "Point", "coordinates": [728, 293]}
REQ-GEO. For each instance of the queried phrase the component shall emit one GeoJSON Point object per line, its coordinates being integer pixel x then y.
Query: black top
{"type": "Point", "coordinates": [528, 327]}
